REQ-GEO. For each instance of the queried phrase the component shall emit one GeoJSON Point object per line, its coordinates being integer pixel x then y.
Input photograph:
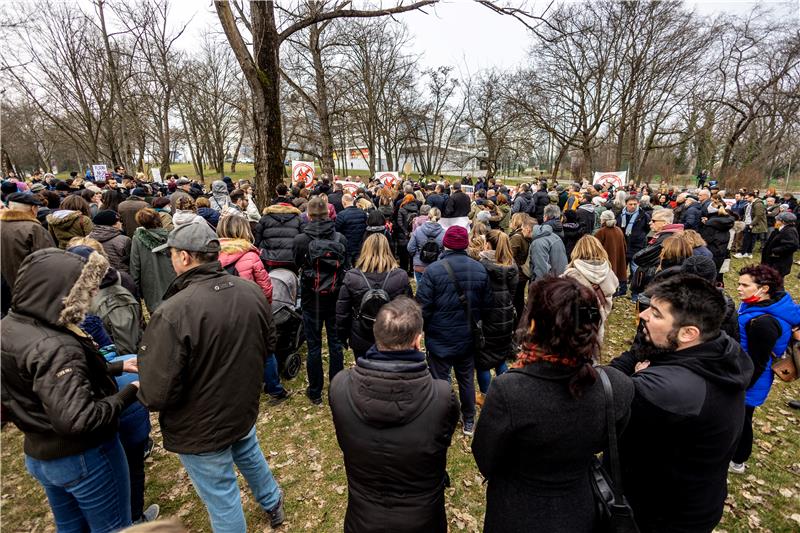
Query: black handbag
{"type": "Point", "coordinates": [613, 510]}
{"type": "Point", "coordinates": [476, 326]}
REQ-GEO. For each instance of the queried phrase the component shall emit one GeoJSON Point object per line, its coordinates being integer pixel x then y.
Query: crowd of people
{"type": "Point", "coordinates": [117, 298]}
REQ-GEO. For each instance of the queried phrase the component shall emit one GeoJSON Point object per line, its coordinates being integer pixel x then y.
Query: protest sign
{"type": "Point", "coordinates": [303, 171]}
{"type": "Point", "coordinates": [615, 179]}
{"type": "Point", "coordinates": [387, 178]}
{"type": "Point", "coordinates": [99, 172]}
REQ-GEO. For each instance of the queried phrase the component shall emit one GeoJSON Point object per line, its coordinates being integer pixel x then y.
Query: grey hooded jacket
{"type": "Point", "coordinates": [547, 253]}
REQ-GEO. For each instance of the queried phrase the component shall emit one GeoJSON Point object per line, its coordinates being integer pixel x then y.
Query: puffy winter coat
{"type": "Point", "coordinates": [539, 201]}
{"type": "Point", "coordinates": [275, 233]}
{"type": "Point", "coordinates": [152, 271]}
{"type": "Point", "coordinates": [692, 216]}
{"type": "Point", "coordinates": [210, 215]}
{"type": "Point", "coordinates": [448, 331]}
{"type": "Point", "coordinates": [314, 230]}
{"type": "Point", "coordinates": [598, 276]}
{"type": "Point", "coordinates": [586, 219]}
{"type": "Point", "coordinates": [522, 203]}
{"type": "Point", "coordinates": [56, 387]}
{"type": "Point", "coordinates": [204, 376]}
{"type": "Point", "coordinates": [402, 230]}
{"type": "Point", "coordinates": [64, 224]}
{"type": "Point", "coordinates": [520, 246]}
{"type": "Point", "coordinates": [547, 254]}
{"type": "Point", "coordinates": [498, 329]}
{"type": "Point", "coordinates": [429, 230]}
{"type": "Point", "coordinates": [352, 223]}
{"type": "Point", "coordinates": [350, 328]}
{"type": "Point", "coordinates": [394, 424]}
{"type": "Point", "coordinates": [245, 258]}
{"type": "Point", "coordinates": [458, 205]}
{"type": "Point", "coordinates": [116, 244]}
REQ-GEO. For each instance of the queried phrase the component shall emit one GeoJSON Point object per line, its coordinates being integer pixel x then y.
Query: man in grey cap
{"type": "Point", "coordinates": [204, 372]}
{"type": "Point", "coordinates": [182, 190]}
{"type": "Point", "coordinates": [781, 244]}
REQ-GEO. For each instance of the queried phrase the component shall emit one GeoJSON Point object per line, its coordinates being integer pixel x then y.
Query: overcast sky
{"type": "Point", "coordinates": [464, 34]}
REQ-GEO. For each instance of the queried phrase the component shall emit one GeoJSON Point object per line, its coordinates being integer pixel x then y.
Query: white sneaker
{"type": "Point", "coordinates": [736, 468]}
{"type": "Point", "coordinates": [738, 255]}
{"type": "Point", "coordinates": [749, 255]}
{"type": "Point", "coordinates": [149, 514]}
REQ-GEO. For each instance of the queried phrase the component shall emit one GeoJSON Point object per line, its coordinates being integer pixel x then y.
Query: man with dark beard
{"type": "Point", "coordinates": [687, 411]}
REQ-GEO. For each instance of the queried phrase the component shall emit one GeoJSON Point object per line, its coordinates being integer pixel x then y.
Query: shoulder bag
{"type": "Point", "coordinates": [476, 326]}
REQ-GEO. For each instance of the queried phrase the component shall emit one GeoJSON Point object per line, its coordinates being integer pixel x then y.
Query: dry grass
{"type": "Point", "coordinates": [299, 442]}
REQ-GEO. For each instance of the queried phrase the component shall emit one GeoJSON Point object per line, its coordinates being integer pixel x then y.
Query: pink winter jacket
{"type": "Point", "coordinates": [248, 263]}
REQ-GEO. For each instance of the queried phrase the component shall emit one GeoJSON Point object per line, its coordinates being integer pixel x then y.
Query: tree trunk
{"type": "Point", "coordinates": [164, 139]}
{"type": "Point", "coordinates": [323, 112]}
{"type": "Point", "coordinates": [560, 157]}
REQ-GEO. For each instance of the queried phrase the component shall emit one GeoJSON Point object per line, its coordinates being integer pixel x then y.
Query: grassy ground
{"type": "Point", "coordinates": [300, 444]}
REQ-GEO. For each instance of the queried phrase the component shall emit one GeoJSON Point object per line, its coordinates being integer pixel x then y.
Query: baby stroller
{"type": "Point", "coordinates": [288, 321]}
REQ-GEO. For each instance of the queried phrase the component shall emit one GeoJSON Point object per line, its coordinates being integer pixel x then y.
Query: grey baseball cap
{"type": "Point", "coordinates": [183, 181]}
{"type": "Point", "coordinates": [193, 237]}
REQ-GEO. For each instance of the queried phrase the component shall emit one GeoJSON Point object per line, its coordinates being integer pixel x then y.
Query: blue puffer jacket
{"type": "Point", "coordinates": [352, 223]}
{"type": "Point", "coordinates": [447, 330]}
{"type": "Point", "coordinates": [787, 313]}
{"type": "Point", "coordinates": [692, 216]}
{"type": "Point", "coordinates": [429, 230]}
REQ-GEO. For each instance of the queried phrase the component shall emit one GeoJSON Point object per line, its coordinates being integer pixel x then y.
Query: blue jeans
{"type": "Point", "coordinates": [418, 277]}
{"type": "Point", "coordinates": [312, 327]}
{"type": "Point", "coordinates": [485, 377]}
{"type": "Point", "coordinates": [89, 491]}
{"type": "Point", "coordinates": [272, 379]}
{"type": "Point", "coordinates": [214, 480]}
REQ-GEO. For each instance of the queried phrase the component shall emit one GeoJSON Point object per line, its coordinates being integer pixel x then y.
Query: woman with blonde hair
{"type": "Point", "coordinates": [376, 268]}
{"type": "Point", "coordinates": [589, 265]}
{"type": "Point", "coordinates": [477, 240]}
{"type": "Point", "coordinates": [674, 251]}
{"type": "Point", "coordinates": [698, 244]}
{"type": "Point", "coordinates": [498, 260]}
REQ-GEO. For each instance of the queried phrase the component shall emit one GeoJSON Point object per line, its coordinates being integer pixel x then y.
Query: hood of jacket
{"type": "Point", "coordinates": [219, 194]}
{"type": "Point", "coordinates": [411, 207]}
{"type": "Point", "coordinates": [555, 225]}
{"type": "Point", "coordinates": [55, 286]}
{"type": "Point", "coordinates": [63, 217]}
{"type": "Point", "coordinates": [431, 230]}
{"type": "Point", "coordinates": [720, 222]}
{"type": "Point", "coordinates": [542, 230]}
{"type": "Point", "coordinates": [587, 207]}
{"type": "Point", "coordinates": [185, 217]}
{"type": "Point", "coordinates": [281, 209]}
{"type": "Point", "coordinates": [319, 229]}
{"type": "Point", "coordinates": [104, 233]}
{"type": "Point", "coordinates": [391, 391]}
{"type": "Point", "coordinates": [151, 237]}
{"type": "Point", "coordinates": [236, 248]}
{"type": "Point", "coordinates": [595, 272]}
{"type": "Point", "coordinates": [720, 360]}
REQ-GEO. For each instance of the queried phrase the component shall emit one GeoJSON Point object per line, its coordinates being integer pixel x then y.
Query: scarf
{"type": "Point", "coordinates": [629, 224]}
{"type": "Point", "coordinates": [533, 354]}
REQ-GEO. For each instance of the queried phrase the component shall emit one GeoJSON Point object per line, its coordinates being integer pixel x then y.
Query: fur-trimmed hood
{"type": "Point", "coordinates": [13, 215]}
{"type": "Point", "coordinates": [236, 247]}
{"type": "Point", "coordinates": [281, 209]}
{"type": "Point", "coordinates": [56, 287]}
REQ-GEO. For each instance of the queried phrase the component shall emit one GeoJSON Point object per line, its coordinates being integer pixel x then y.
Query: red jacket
{"type": "Point", "coordinates": [248, 263]}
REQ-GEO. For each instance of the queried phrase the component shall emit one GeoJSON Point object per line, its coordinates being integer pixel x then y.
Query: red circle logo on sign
{"type": "Point", "coordinates": [304, 172]}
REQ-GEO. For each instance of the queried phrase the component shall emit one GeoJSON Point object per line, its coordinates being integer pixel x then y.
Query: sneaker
{"type": "Point", "coordinates": [749, 256]}
{"type": "Point", "coordinates": [316, 400]}
{"type": "Point", "coordinates": [738, 255]}
{"type": "Point", "coordinates": [736, 468]}
{"type": "Point", "coordinates": [275, 399]}
{"type": "Point", "coordinates": [148, 449]}
{"type": "Point", "coordinates": [794, 404]}
{"type": "Point", "coordinates": [469, 428]}
{"type": "Point", "coordinates": [149, 515]}
{"type": "Point", "coordinates": [277, 516]}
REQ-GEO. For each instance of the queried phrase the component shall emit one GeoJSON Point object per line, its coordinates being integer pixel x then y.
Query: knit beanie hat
{"type": "Point", "coordinates": [702, 266]}
{"type": "Point", "coordinates": [456, 238]}
{"type": "Point", "coordinates": [106, 217]}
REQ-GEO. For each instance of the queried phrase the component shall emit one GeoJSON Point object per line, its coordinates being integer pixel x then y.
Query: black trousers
{"type": "Point", "coordinates": [135, 455]}
{"type": "Point", "coordinates": [745, 446]}
{"type": "Point", "coordinates": [465, 375]}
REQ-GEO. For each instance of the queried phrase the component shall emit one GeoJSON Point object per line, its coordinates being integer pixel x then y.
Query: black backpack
{"type": "Point", "coordinates": [326, 259]}
{"type": "Point", "coordinates": [430, 251]}
{"type": "Point", "coordinates": [647, 262]}
{"type": "Point", "coordinates": [372, 301]}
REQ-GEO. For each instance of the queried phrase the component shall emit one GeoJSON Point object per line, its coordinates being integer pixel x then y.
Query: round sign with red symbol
{"type": "Point", "coordinates": [302, 171]}
{"type": "Point", "coordinates": [611, 179]}
{"type": "Point", "coordinates": [388, 178]}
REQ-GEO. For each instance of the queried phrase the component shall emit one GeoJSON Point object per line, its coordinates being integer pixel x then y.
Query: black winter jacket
{"type": "Point", "coordinates": [316, 229]}
{"type": "Point", "coordinates": [447, 329]}
{"type": "Point", "coordinates": [350, 329]}
{"type": "Point", "coordinates": [458, 205]}
{"type": "Point", "coordinates": [275, 233]}
{"type": "Point", "coordinates": [498, 330]}
{"type": "Point", "coordinates": [540, 200]}
{"type": "Point", "coordinates": [637, 238]}
{"type": "Point", "coordinates": [352, 223]}
{"type": "Point", "coordinates": [779, 249]}
{"type": "Point", "coordinates": [394, 424]}
{"type": "Point", "coordinates": [56, 387]}
{"type": "Point", "coordinates": [716, 233]}
{"type": "Point", "coordinates": [204, 376]}
{"type": "Point", "coordinates": [534, 443]}
{"type": "Point", "coordinates": [686, 418]}
{"type": "Point", "coordinates": [402, 230]}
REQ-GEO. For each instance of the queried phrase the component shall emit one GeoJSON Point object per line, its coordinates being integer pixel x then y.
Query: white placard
{"type": "Point", "coordinates": [156, 173]}
{"type": "Point", "coordinates": [350, 186]}
{"type": "Point", "coordinates": [387, 178]}
{"type": "Point", "coordinates": [99, 172]}
{"type": "Point", "coordinates": [303, 171]}
{"type": "Point", "coordinates": [617, 179]}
